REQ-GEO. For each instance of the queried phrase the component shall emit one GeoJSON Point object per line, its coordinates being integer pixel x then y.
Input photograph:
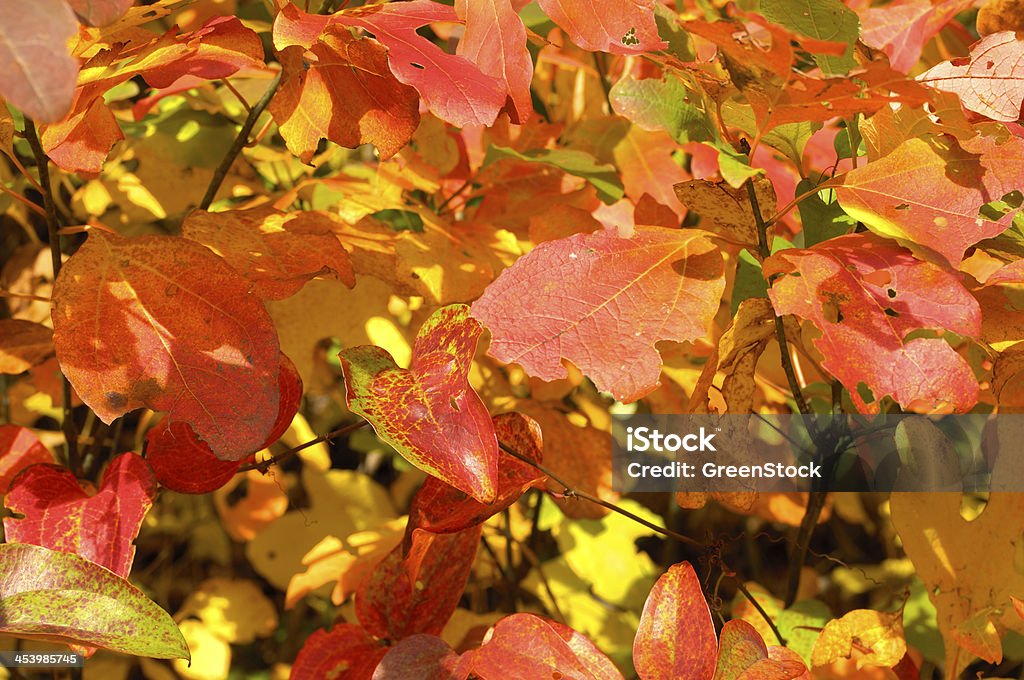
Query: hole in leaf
{"type": "Point", "coordinates": [453, 404]}
{"type": "Point", "coordinates": [889, 311]}
{"type": "Point", "coordinates": [865, 393]}
{"type": "Point", "coordinates": [902, 206]}
{"type": "Point", "coordinates": [891, 293]}
{"type": "Point", "coordinates": [415, 65]}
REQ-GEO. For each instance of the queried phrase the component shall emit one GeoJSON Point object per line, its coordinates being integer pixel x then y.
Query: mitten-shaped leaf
{"type": "Point", "coordinates": [429, 413]}
{"type": "Point", "coordinates": [676, 638]}
{"type": "Point", "coordinates": [60, 597]}
{"type": "Point", "coordinates": [602, 302]}
{"type": "Point", "coordinates": [162, 322]}
{"type": "Point", "coordinates": [866, 295]}
{"type": "Point", "coordinates": [59, 514]}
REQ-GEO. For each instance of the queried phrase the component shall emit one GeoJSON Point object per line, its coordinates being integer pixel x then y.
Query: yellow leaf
{"type": "Point", "coordinates": [211, 655]}
{"type": "Point", "coordinates": [877, 637]}
{"type": "Point", "coordinates": [234, 609]}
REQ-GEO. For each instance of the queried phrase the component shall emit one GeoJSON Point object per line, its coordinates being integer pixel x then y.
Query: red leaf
{"type": "Point", "coordinates": [424, 657]}
{"type": "Point", "coordinates": [676, 638]}
{"type": "Point", "coordinates": [183, 462]}
{"type": "Point", "coordinates": [345, 651]}
{"type": "Point", "coordinates": [100, 12]}
{"type": "Point", "coordinates": [60, 515]}
{"type": "Point", "coordinates": [80, 143]}
{"type": "Point", "coordinates": [602, 302]}
{"type": "Point", "coordinates": [441, 508]}
{"type": "Point", "coordinates": [164, 323]}
{"type": "Point", "coordinates": [340, 89]}
{"type": "Point", "coordinates": [19, 448]}
{"type": "Point", "coordinates": [616, 26]}
{"type": "Point", "coordinates": [865, 295]}
{"type": "Point", "coordinates": [39, 74]}
{"type": "Point", "coordinates": [990, 82]}
{"type": "Point", "coordinates": [289, 384]}
{"type": "Point", "coordinates": [527, 646]}
{"type": "Point", "coordinates": [415, 590]}
{"type": "Point", "coordinates": [901, 29]}
{"type": "Point", "coordinates": [23, 344]}
{"type": "Point", "coordinates": [927, 193]}
{"type": "Point", "coordinates": [495, 40]}
{"type": "Point", "coordinates": [429, 413]}
{"type": "Point", "coordinates": [277, 251]}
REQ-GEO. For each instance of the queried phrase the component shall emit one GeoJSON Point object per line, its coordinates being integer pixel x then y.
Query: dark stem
{"type": "Point", "coordinates": [53, 235]}
{"type": "Point", "coordinates": [760, 610]}
{"type": "Point", "coordinates": [265, 465]}
{"type": "Point", "coordinates": [240, 141]}
{"type": "Point", "coordinates": [603, 77]}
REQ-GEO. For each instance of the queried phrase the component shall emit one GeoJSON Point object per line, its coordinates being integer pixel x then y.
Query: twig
{"type": "Point", "coordinates": [265, 465]}
{"type": "Point", "coordinates": [53, 234]}
{"type": "Point", "coordinates": [21, 199]}
{"type": "Point", "coordinates": [602, 75]}
{"type": "Point", "coordinates": [760, 610]}
{"type": "Point", "coordinates": [240, 141]}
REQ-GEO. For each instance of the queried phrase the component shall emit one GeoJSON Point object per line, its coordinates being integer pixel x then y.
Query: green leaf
{"type": "Point", "coordinates": [604, 177]}
{"type": "Point", "coordinates": [789, 138]}
{"type": "Point", "coordinates": [400, 220]}
{"type": "Point", "coordinates": [750, 281]}
{"type": "Point", "coordinates": [821, 219]}
{"type": "Point", "coordinates": [664, 104]}
{"type": "Point", "coordinates": [61, 597]}
{"type": "Point", "coordinates": [828, 20]}
{"type": "Point", "coordinates": [679, 44]}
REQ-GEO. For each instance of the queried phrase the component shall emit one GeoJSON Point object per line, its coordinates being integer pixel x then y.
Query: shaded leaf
{"type": "Point", "coordinates": [495, 40]}
{"type": "Point", "coordinates": [901, 29]}
{"type": "Point", "coordinates": [23, 344]}
{"type": "Point", "coordinates": [164, 323]}
{"type": "Point", "coordinates": [429, 413]}
{"type": "Point", "coordinates": [676, 611]}
{"type": "Point", "coordinates": [725, 210]}
{"type": "Point", "coordinates": [100, 12]}
{"type": "Point", "coordinates": [39, 74]}
{"type": "Point", "coordinates": [19, 448]}
{"type": "Point", "coordinates": [426, 657]}
{"type": "Point", "coordinates": [602, 176]}
{"type": "Point", "coordinates": [740, 646]}
{"type": "Point", "coordinates": [59, 514]}
{"type": "Point", "coordinates": [183, 462]}
{"type": "Point", "coordinates": [343, 651]}
{"type": "Point", "coordinates": [825, 20]}
{"type": "Point", "coordinates": [598, 299]}
{"type": "Point", "coordinates": [61, 597]}
{"type": "Point", "coordinates": [866, 295]}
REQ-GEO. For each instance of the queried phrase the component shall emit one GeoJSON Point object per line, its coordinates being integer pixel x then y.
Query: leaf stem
{"type": "Point", "coordinates": [240, 141]}
{"type": "Point", "coordinates": [265, 465]}
{"type": "Point", "coordinates": [53, 235]}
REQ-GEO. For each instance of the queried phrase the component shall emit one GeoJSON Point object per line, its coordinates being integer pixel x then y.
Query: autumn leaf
{"type": "Point", "coordinates": [344, 649]}
{"type": "Point", "coordinates": [725, 210]}
{"type": "Point", "coordinates": [928, 193]}
{"type": "Point", "coordinates": [57, 513]}
{"type": "Point", "coordinates": [429, 413]}
{"type": "Point", "coordinates": [901, 29]}
{"type": "Point", "coordinates": [866, 295]}
{"type": "Point", "coordinates": [597, 299]}
{"type": "Point", "coordinates": [162, 322]}
{"type": "Point", "coordinates": [19, 448]}
{"type": "Point", "coordinates": [23, 344]}
{"type": "Point", "coordinates": [876, 636]}
{"type": "Point", "coordinates": [441, 508]}
{"type": "Point", "coordinates": [183, 462]}
{"type": "Point", "coordinates": [740, 646]}
{"type": "Point", "coordinates": [100, 12]}
{"type": "Point", "coordinates": [616, 26]}
{"type": "Point", "coordinates": [676, 610]}
{"type": "Point", "coordinates": [824, 20]}
{"type": "Point", "coordinates": [990, 81]}
{"type": "Point", "coordinates": [61, 597]}
{"type": "Point", "coordinates": [421, 656]}
{"type": "Point", "coordinates": [339, 89]}
{"type": "Point", "coordinates": [418, 585]}
{"type": "Point", "coordinates": [39, 74]}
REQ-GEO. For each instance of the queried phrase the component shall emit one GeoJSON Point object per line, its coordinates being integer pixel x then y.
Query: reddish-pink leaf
{"type": "Point", "coordinates": [901, 28]}
{"type": "Point", "coordinates": [417, 586]}
{"type": "Point", "coordinates": [429, 413]}
{"type": "Point", "coordinates": [602, 302]}
{"type": "Point", "coordinates": [277, 251]}
{"type": "Point", "coordinates": [162, 322]}
{"type": "Point", "coordinates": [495, 40]}
{"type": "Point", "coordinates": [452, 87]}
{"type": "Point", "coordinates": [616, 26]}
{"type": "Point", "coordinates": [676, 638]}
{"type": "Point", "coordinates": [424, 657]}
{"type": "Point", "coordinates": [927, 194]}
{"type": "Point", "coordinates": [865, 294]}
{"type": "Point", "coordinates": [339, 89]}
{"type": "Point", "coordinates": [183, 462]}
{"type": "Point", "coordinates": [289, 384]}
{"type": "Point", "coordinates": [100, 12]}
{"type": "Point", "coordinates": [740, 646]}
{"type": "Point", "coordinates": [527, 646]}
{"type": "Point", "coordinates": [60, 515]}
{"type": "Point", "coordinates": [23, 344]}
{"type": "Point", "coordinates": [19, 448]}
{"type": "Point", "coordinates": [80, 143]}
{"type": "Point", "coordinates": [38, 74]}
{"type": "Point", "coordinates": [442, 508]}
{"type": "Point", "coordinates": [990, 81]}
{"type": "Point", "coordinates": [346, 651]}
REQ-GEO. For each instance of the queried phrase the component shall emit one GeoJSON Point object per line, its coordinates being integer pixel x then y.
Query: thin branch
{"type": "Point", "coordinates": [603, 77]}
{"type": "Point", "coordinates": [760, 610]}
{"type": "Point", "coordinates": [833, 181]}
{"type": "Point", "coordinates": [265, 465]}
{"type": "Point", "coordinates": [240, 141]}
{"type": "Point", "coordinates": [21, 199]}
{"type": "Point", "coordinates": [53, 234]}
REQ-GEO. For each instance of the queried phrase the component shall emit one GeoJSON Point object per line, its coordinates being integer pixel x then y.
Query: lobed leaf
{"type": "Point", "coordinates": [990, 81]}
